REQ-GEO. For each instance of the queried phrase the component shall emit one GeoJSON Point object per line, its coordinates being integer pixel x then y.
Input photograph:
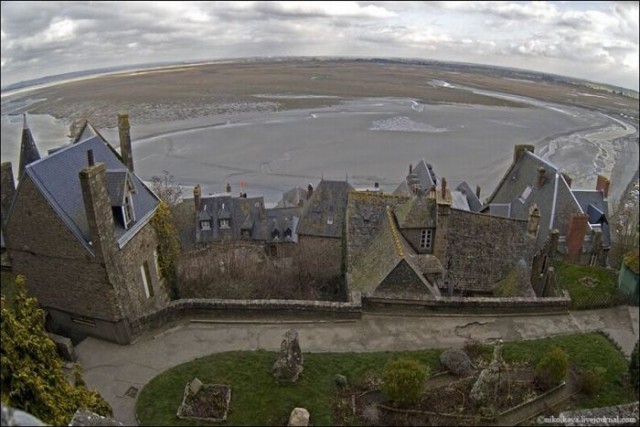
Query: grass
{"type": "Point", "coordinates": [257, 399]}
{"type": "Point", "coordinates": [8, 285]}
{"type": "Point", "coordinates": [582, 296]}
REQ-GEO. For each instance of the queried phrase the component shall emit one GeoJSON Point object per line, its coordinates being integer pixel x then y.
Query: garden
{"type": "Point", "coordinates": [404, 388]}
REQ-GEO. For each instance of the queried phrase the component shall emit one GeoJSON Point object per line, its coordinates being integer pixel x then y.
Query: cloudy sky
{"type": "Point", "coordinates": [593, 40]}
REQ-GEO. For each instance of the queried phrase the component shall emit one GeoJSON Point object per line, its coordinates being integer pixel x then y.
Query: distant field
{"type": "Point", "coordinates": [197, 91]}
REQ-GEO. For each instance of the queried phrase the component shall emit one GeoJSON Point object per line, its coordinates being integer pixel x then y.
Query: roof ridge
{"type": "Point", "coordinates": [394, 233]}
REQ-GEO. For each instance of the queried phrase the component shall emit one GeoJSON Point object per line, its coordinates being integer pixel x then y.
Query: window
{"type": "Point", "coordinates": [287, 232]}
{"type": "Point", "coordinates": [426, 239]}
{"type": "Point", "coordinates": [205, 225]}
{"type": "Point", "coordinates": [224, 223]}
{"type": "Point", "coordinates": [525, 194]}
{"type": "Point", "coordinates": [128, 211]}
{"type": "Point", "coordinates": [146, 279]}
{"type": "Point", "coordinates": [246, 232]}
{"type": "Point", "coordinates": [275, 234]}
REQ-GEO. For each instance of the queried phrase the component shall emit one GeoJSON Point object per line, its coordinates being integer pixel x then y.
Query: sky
{"type": "Point", "coordinates": [597, 41]}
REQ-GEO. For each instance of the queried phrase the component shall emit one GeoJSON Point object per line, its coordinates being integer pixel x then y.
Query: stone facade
{"type": "Point", "coordinates": [324, 255]}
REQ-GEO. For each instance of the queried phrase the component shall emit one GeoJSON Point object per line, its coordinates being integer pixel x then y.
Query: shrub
{"type": "Point", "coordinates": [592, 380]}
{"type": "Point", "coordinates": [553, 367]}
{"type": "Point", "coordinates": [634, 368]}
{"type": "Point", "coordinates": [402, 380]}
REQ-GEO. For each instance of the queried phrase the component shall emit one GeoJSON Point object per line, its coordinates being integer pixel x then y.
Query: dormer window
{"type": "Point", "coordinates": [224, 223]}
{"type": "Point", "coordinates": [287, 233]}
{"type": "Point", "coordinates": [127, 210]}
{"type": "Point", "coordinates": [275, 234]}
{"type": "Point", "coordinates": [205, 225]}
{"type": "Point", "coordinates": [246, 232]}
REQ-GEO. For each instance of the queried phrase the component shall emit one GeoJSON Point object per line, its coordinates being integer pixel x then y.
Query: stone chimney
{"type": "Point", "coordinates": [478, 192]}
{"type": "Point", "coordinates": [443, 181]}
{"type": "Point", "coordinates": [576, 231]}
{"type": "Point", "coordinates": [519, 150]}
{"type": "Point", "coordinates": [567, 179]}
{"type": "Point", "coordinates": [602, 185]}
{"type": "Point", "coordinates": [7, 190]}
{"type": "Point", "coordinates": [97, 205]}
{"type": "Point", "coordinates": [540, 180]}
{"type": "Point", "coordinates": [309, 191]}
{"type": "Point", "coordinates": [410, 168]}
{"type": "Point", "coordinates": [125, 140]}
{"type": "Point", "coordinates": [197, 193]}
{"type": "Point", "coordinates": [227, 188]}
{"type": "Point", "coordinates": [534, 221]}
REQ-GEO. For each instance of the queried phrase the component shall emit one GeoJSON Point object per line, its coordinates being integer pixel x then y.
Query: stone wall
{"type": "Point", "coordinates": [60, 272]}
{"type": "Point", "coordinates": [468, 306]}
{"type": "Point", "coordinates": [212, 309]}
{"type": "Point", "coordinates": [324, 255]}
{"type": "Point", "coordinates": [482, 249]}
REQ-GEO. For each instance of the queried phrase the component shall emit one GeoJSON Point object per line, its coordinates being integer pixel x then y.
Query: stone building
{"type": "Point", "coordinates": [421, 246]}
{"type": "Point", "coordinates": [532, 184]}
{"type": "Point", "coordinates": [321, 227]}
{"type": "Point", "coordinates": [79, 230]}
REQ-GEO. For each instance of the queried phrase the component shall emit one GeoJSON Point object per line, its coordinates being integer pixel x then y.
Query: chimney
{"type": "Point", "coordinates": [97, 205]}
{"type": "Point", "coordinates": [519, 150]}
{"type": "Point", "coordinates": [90, 158]}
{"type": "Point", "coordinates": [125, 140]}
{"type": "Point", "coordinates": [534, 221]}
{"type": "Point", "coordinates": [7, 190]}
{"type": "Point", "coordinates": [567, 179]}
{"type": "Point", "coordinates": [376, 185]}
{"type": "Point", "coordinates": [603, 185]}
{"type": "Point", "coordinates": [478, 191]}
{"type": "Point", "coordinates": [444, 188]}
{"type": "Point", "coordinates": [541, 177]}
{"type": "Point", "coordinates": [309, 191]}
{"type": "Point", "coordinates": [228, 188]}
{"type": "Point", "coordinates": [410, 168]}
{"type": "Point", "coordinates": [197, 192]}
{"type": "Point", "coordinates": [576, 231]}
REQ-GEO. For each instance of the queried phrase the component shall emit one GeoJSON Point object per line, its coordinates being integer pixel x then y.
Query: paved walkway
{"type": "Point", "coordinates": [113, 369]}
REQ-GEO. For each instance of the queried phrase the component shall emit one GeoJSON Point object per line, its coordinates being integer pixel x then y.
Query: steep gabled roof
{"type": "Point", "coordinates": [426, 176]}
{"type": "Point", "coordinates": [240, 211]}
{"type": "Point", "coordinates": [281, 219]}
{"type": "Point", "coordinates": [28, 150]}
{"type": "Point", "coordinates": [387, 251]}
{"type": "Point", "coordinates": [118, 183]}
{"type": "Point", "coordinates": [417, 212]}
{"type": "Point", "coordinates": [471, 201]}
{"type": "Point", "coordinates": [554, 198]}
{"type": "Point", "coordinates": [56, 177]}
{"type": "Point", "coordinates": [323, 214]}
{"type": "Point", "coordinates": [594, 204]}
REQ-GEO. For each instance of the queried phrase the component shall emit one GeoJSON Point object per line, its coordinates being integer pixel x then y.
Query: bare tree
{"type": "Point", "coordinates": [165, 187]}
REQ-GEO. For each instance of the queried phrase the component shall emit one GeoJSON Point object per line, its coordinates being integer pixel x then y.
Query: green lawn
{"type": "Point", "coordinates": [256, 398]}
{"type": "Point", "coordinates": [584, 297]}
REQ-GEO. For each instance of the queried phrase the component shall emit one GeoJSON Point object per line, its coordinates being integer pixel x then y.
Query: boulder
{"type": "Point", "coordinates": [289, 366]}
{"type": "Point", "coordinates": [88, 418]}
{"type": "Point", "coordinates": [299, 417]}
{"type": "Point", "coordinates": [341, 380]}
{"type": "Point", "coordinates": [194, 386]}
{"type": "Point", "coordinates": [456, 361]}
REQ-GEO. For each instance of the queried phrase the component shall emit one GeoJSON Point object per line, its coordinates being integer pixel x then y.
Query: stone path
{"type": "Point", "coordinates": [117, 371]}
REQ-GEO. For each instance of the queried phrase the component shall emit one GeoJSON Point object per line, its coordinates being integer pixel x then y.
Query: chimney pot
{"type": "Point", "coordinates": [410, 168]}
{"type": "Point", "coordinates": [197, 192]}
{"type": "Point", "coordinates": [90, 158]}
{"type": "Point", "coordinates": [309, 191]}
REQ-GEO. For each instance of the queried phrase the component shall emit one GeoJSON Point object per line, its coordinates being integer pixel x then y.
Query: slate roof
{"type": "Point", "coordinates": [594, 204]}
{"type": "Point", "coordinates": [426, 176]}
{"type": "Point", "coordinates": [284, 221]}
{"type": "Point", "coordinates": [28, 150]}
{"type": "Point", "coordinates": [471, 201]}
{"type": "Point", "coordinates": [387, 250]}
{"type": "Point", "coordinates": [323, 214]}
{"type": "Point", "coordinates": [238, 210]}
{"type": "Point", "coordinates": [56, 177]}
{"type": "Point", "coordinates": [554, 199]}
{"type": "Point", "coordinates": [293, 198]}
{"type": "Point", "coordinates": [417, 212]}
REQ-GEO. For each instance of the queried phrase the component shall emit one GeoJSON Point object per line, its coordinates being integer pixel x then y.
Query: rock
{"type": "Point", "coordinates": [288, 367]}
{"type": "Point", "coordinates": [16, 417]}
{"type": "Point", "coordinates": [194, 386]}
{"type": "Point", "coordinates": [64, 347]}
{"type": "Point", "coordinates": [299, 417]}
{"type": "Point", "coordinates": [485, 390]}
{"type": "Point", "coordinates": [456, 361]}
{"type": "Point", "coordinates": [341, 380]}
{"type": "Point", "coordinates": [88, 418]}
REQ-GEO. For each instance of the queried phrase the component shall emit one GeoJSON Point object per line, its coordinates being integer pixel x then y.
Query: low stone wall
{"type": "Point", "coordinates": [220, 309]}
{"type": "Point", "coordinates": [460, 305]}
